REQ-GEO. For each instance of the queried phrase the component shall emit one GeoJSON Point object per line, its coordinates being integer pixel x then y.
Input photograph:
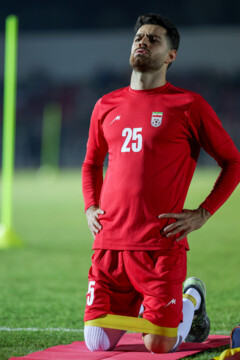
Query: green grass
{"type": "Point", "coordinates": [43, 284]}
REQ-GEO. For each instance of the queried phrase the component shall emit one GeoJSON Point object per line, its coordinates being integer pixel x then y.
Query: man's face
{"type": "Point", "coordinates": [150, 48]}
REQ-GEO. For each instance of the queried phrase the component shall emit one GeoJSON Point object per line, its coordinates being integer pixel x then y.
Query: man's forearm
{"type": "Point", "coordinates": [227, 181]}
{"type": "Point", "coordinates": [92, 180]}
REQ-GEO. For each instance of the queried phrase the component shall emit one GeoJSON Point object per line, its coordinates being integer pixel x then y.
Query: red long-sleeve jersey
{"type": "Point", "coordinates": [153, 138]}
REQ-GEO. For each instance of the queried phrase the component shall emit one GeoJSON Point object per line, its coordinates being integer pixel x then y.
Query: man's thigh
{"type": "Point", "coordinates": [109, 289]}
{"type": "Point", "coordinates": [158, 276]}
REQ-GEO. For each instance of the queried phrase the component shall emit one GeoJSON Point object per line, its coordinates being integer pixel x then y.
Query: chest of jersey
{"type": "Point", "coordinates": [138, 127]}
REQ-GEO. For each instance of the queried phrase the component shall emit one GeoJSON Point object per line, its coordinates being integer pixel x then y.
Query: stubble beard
{"type": "Point", "coordinates": [145, 64]}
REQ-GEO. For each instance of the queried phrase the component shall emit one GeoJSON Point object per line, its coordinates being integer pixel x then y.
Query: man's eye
{"type": "Point", "coordinates": [137, 39]}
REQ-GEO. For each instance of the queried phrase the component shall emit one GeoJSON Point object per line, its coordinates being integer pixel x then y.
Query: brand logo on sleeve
{"type": "Point", "coordinates": [115, 119]}
{"type": "Point", "coordinates": [156, 119]}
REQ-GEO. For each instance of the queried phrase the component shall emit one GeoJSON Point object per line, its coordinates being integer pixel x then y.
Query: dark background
{"type": "Point", "coordinates": [55, 15]}
{"type": "Point", "coordinates": [40, 20]}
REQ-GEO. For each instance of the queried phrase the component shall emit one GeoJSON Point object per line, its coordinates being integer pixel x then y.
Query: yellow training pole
{"type": "Point", "coordinates": [7, 236]}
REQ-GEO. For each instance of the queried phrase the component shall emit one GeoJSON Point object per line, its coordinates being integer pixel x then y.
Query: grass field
{"type": "Point", "coordinates": [43, 284]}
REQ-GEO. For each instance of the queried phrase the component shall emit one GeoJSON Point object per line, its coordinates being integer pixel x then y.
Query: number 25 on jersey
{"type": "Point", "coordinates": [133, 140]}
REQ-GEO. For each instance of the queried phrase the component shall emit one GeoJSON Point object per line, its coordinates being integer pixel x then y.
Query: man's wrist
{"type": "Point", "coordinates": [204, 213]}
{"type": "Point", "coordinates": [90, 208]}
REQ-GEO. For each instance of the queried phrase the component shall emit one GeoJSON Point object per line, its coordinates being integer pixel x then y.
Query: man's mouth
{"type": "Point", "coordinates": [141, 51]}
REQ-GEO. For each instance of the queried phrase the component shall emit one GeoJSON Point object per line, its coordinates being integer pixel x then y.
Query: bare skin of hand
{"type": "Point", "coordinates": [92, 218]}
{"type": "Point", "coordinates": [186, 222]}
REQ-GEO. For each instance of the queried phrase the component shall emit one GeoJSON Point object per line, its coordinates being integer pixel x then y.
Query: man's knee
{"type": "Point", "coordinates": [101, 339]}
{"type": "Point", "coordinates": [96, 339]}
{"type": "Point", "coordinates": [159, 344]}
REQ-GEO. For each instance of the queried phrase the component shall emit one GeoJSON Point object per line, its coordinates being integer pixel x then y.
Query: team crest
{"type": "Point", "coordinates": [156, 119]}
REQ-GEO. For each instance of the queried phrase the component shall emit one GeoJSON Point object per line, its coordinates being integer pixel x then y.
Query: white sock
{"type": "Point", "coordinates": [101, 339]}
{"type": "Point", "coordinates": [188, 314]}
{"type": "Point", "coordinates": [193, 292]}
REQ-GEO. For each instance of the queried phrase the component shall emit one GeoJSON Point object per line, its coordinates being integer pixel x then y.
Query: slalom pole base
{"type": "Point", "coordinates": [8, 238]}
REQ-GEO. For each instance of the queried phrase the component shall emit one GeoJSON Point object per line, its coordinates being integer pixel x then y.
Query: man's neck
{"type": "Point", "coordinates": [144, 81]}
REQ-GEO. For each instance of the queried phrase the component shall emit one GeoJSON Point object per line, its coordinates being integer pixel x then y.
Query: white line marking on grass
{"type": "Point", "coordinates": [37, 329]}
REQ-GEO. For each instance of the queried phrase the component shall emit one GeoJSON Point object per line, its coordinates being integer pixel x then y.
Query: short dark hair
{"type": "Point", "coordinates": [155, 19]}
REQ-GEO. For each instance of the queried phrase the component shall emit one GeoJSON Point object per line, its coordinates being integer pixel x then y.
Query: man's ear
{"type": "Point", "coordinates": [172, 55]}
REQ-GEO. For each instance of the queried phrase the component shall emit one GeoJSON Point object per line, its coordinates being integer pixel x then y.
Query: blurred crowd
{"type": "Point", "coordinates": [77, 101]}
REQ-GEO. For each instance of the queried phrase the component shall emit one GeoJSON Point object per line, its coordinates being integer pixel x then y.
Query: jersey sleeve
{"type": "Point", "coordinates": [208, 131]}
{"type": "Point", "coordinates": [92, 169]}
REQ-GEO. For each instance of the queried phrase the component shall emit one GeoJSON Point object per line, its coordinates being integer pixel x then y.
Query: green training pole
{"type": "Point", "coordinates": [7, 236]}
{"type": "Point", "coordinates": [51, 133]}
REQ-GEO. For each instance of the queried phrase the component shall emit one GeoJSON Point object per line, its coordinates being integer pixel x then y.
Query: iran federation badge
{"type": "Point", "coordinates": [156, 119]}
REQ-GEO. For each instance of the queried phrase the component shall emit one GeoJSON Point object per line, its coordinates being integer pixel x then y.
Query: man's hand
{"type": "Point", "coordinates": [186, 222]}
{"type": "Point", "coordinates": [92, 217]}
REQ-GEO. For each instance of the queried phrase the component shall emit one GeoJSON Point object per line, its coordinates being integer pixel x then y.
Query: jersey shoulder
{"type": "Point", "coordinates": [184, 92]}
{"type": "Point", "coordinates": [114, 96]}
{"type": "Point", "coordinates": [109, 102]}
{"type": "Point", "coordinates": [190, 96]}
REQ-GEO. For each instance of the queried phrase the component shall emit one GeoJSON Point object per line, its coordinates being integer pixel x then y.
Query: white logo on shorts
{"type": "Point", "coordinates": [173, 301]}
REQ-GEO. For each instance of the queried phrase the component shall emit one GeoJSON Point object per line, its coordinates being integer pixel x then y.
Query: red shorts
{"type": "Point", "coordinates": [120, 281]}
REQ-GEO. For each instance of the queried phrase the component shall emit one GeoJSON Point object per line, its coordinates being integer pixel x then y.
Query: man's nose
{"type": "Point", "coordinates": [143, 42]}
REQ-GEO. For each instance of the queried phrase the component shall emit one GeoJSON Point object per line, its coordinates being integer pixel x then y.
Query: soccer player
{"type": "Point", "coordinates": [153, 132]}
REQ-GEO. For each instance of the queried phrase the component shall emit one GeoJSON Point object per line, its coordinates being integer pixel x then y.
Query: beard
{"type": "Point", "coordinates": [145, 63]}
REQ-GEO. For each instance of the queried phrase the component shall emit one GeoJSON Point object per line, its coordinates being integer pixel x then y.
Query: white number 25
{"type": "Point", "coordinates": [90, 293]}
{"type": "Point", "coordinates": [135, 137]}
